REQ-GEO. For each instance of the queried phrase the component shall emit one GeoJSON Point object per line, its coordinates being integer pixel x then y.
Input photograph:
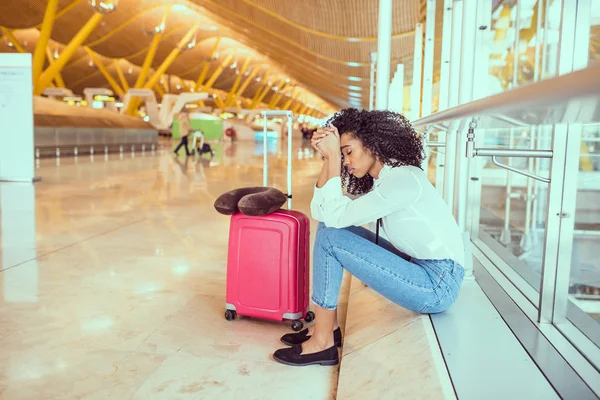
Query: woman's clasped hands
{"type": "Point", "coordinates": [326, 141]}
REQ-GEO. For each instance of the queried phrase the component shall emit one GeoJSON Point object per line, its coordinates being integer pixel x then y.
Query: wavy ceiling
{"type": "Point", "coordinates": [318, 44]}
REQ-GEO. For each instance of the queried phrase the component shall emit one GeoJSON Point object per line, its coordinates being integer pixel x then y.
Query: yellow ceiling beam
{"type": "Point", "coordinates": [154, 79]}
{"type": "Point", "coordinates": [172, 32]}
{"type": "Point", "coordinates": [8, 33]}
{"type": "Point", "coordinates": [277, 97]}
{"type": "Point", "coordinates": [258, 92]}
{"type": "Point", "coordinates": [219, 102]}
{"type": "Point", "coordinates": [121, 26]}
{"type": "Point", "coordinates": [59, 80]}
{"type": "Point", "coordinates": [141, 78]}
{"type": "Point", "coordinates": [111, 81]}
{"type": "Point", "coordinates": [39, 55]}
{"type": "Point", "coordinates": [244, 86]}
{"type": "Point", "coordinates": [143, 50]}
{"type": "Point", "coordinates": [292, 98]}
{"type": "Point", "coordinates": [236, 84]}
{"type": "Point", "coordinates": [260, 98]}
{"type": "Point", "coordinates": [264, 82]}
{"type": "Point", "coordinates": [124, 83]}
{"type": "Point", "coordinates": [171, 57]}
{"type": "Point", "coordinates": [204, 72]}
{"type": "Point", "coordinates": [151, 52]}
{"type": "Point", "coordinates": [298, 106]}
{"type": "Point", "coordinates": [166, 85]}
{"type": "Point", "coordinates": [48, 75]}
{"type": "Point", "coordinates": [211, 81]}
{"type": "Point", "coordinates": [159, 90]}
{"type": "Point", "coordinates": [148, 60]}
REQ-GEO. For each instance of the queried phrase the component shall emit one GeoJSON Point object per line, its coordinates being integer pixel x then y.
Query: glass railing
{"type": "Point", "coordinates": [529, 193]}
{"type": "Point", "coordinates": [513, 145]}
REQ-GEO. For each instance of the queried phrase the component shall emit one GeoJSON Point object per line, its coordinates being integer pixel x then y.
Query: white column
{"type": "Point", "coordinates": [483, 44]}
{"type": "Point", "coordinates": [384, 53]}
{"type": "Point", "coordinates": [455, 53]}
{"type": "Point", "coordinates": [372, 82]}
{"type": "Point", "coordinates": [397, 90]}
{"type": "Point", "coordinates": [465, 95]}
{"type": "Point", "coordinates": [445, 62]}
{"type": "Point", "coordinates": [444, 85]}
{"type": "Point", "coordinates": [417, 81]}
{"type": "Point", "coordinates": [454, 79]}
{"type": "Point", "coordinates": [16, 114]}
{"type": "Point", "coordinates": [428, 60]}
{"type": "Point", "coordinates": [562, 197]}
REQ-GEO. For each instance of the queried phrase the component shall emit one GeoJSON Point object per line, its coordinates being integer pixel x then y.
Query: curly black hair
{"type": "Point", "coordinates": [387, 135]}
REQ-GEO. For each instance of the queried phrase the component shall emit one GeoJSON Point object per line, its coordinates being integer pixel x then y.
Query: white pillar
{"type": "Point", "coordinates": [455, 53]}
{"type": "Point", "coordinates": [415, 88]}
{"type": "Point", "coordinates": [445, 62]}
{"type": "Point", "coordinates": [444, 85]}
{"type": "Point", "coordinates": [397, 90]}
{"type": "Point", "coordinates": [16, 114]}
{"type": "Point", "coordinates": [372, 82]}
{"type": "Point", "coordinates": [465, 95]}
{"type": "Point", "coordinates": [467, 48]}
{"type": "Point", "coordinates": [453, 87]}
{"type": "Point", "coordinates": [428, 60]}
{"type": "Point", "coordinates": [384, 53]}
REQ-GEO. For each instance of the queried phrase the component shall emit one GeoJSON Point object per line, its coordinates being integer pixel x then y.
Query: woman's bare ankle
{"type": "Point", "coordinates": [324, 341]}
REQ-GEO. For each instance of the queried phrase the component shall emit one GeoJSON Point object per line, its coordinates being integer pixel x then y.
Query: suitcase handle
{"type": "Point", "coordinates": [278, 113]}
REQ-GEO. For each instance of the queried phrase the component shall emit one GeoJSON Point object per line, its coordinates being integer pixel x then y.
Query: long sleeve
{"type": "Point", "coordinates": [316, 203]}
{"type": "Point", "coordinates": [395, 193]}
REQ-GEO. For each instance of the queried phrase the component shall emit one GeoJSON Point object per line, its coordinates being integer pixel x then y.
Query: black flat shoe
{"type": "Point", "coordinates": [292, 356]}
{"type": "Point", "coordinates": [292, 339]}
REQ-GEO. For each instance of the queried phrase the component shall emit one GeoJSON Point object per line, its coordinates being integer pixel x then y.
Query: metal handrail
{"type": "Point", "coordinates": [518, 171]}
{"type": "Point", "coordinates": [472, 151]}
{"type": "Point", "coordinates": [553, 92]}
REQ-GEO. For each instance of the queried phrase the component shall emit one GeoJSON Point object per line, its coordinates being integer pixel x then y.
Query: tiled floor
{"type": "Point", "coordinates": [116, 288]}
{"type": "Point", "coordinates": [113, 287]}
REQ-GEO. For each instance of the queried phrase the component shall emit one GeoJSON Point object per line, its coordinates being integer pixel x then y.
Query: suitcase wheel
{"type": "Point", "coordinates": [230, 315]}
{"type": "Point", "coordinates": [297, 325]}
{"type": "Point", "coordinates": [310, 317]}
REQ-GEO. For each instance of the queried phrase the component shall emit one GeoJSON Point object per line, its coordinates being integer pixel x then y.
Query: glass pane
{"type": "Point", "coordinates": [595, 33]}
{"type": "Point", "coordinates": [584, 287]}
{"type": "Point", "coordinates": [513, 207]}
{"type": "Point", "coordinates": [435, 158]}
{"type": "Point", "coordinates": [524, 48]}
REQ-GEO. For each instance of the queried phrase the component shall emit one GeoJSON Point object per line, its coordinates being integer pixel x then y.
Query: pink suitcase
{"type": "Point", "coordinates": [268, 262]}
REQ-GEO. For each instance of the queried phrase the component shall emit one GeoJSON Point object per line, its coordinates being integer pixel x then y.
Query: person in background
{"type": "Point", "coordinates": [184, 130]}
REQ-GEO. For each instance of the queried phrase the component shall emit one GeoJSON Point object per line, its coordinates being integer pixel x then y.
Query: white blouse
{"type": "Point", "coordinates": [416, 220]}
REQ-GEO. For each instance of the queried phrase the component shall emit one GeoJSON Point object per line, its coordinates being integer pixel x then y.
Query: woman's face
{"type": "Point", "coordinates": [356, 158]}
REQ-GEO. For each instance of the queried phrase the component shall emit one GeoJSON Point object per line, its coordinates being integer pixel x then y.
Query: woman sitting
{"type": "Point", "coordinates": [376, 155]}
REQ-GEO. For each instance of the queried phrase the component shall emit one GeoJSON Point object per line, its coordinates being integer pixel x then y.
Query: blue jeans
{"type": "Point", "coordinates": [424, 286]}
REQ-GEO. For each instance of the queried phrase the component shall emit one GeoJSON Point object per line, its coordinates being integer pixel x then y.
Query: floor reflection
{"type": "Point", "coordinates": [114, 280]}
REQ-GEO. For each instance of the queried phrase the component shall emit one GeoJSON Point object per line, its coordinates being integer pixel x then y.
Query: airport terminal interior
{"type": "Point", "coordinates": [123, 122]}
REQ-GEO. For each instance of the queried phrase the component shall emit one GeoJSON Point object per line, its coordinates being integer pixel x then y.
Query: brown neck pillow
{"type": "Point", "coordinates": [252, 201]}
